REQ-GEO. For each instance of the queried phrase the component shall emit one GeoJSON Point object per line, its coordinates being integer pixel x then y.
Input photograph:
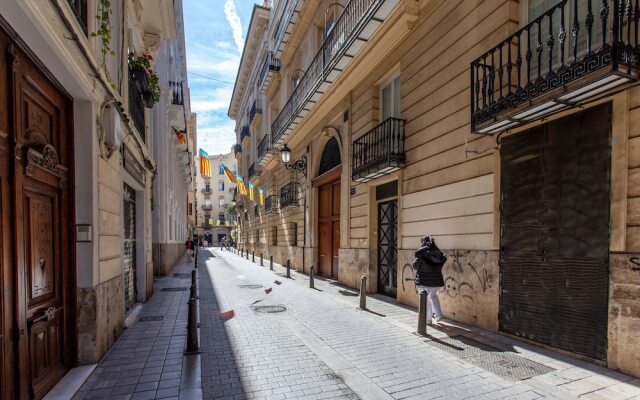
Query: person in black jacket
{"type": "Point", "coordinates": [428, 266]}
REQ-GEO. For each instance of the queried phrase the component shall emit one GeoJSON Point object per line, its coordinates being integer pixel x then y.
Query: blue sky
{"type": "Point", "coordinates": [215, 32]}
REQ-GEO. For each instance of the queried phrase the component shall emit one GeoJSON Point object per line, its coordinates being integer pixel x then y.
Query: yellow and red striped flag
{"type": "Point", "coordinates": [205, 164]}
{"type": "Point", "coordinates": [229, 175]}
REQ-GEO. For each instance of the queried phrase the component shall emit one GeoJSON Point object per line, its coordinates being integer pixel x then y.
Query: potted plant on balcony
{"type": "Point", "coordinates": [146, 79]}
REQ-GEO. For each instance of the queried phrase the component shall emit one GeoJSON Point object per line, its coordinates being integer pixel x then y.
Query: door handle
{"type": "Point", "coordinates": [47, 314]}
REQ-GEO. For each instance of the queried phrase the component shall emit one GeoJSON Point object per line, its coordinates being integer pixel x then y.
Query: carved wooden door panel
{"type": "Point", "coordinates": [42, 228]}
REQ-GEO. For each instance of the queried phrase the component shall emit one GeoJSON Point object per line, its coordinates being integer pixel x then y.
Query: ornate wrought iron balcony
{"type": "Point", "coordinates": [236, 148]}
{"type": "Point", "coordinates": [255, 112]}
{"type": "Point", "coordinates": [380, 151]}
{"type": "Point", "coordinates": [244, 133]}
{"type": "Point", "coordinates": [289, 195]}
{"type": "Point", "coordinates": [252, 171]}
{"type": "Point", "coordinates": [271, 64]}
{"type": "Point", "coordinates": [137, 103]}
{"type": "Point", "coordinates": [354, 27]}
{"type": "Point", "coordinates": [177, 95]}
{"type": "Point", "coordinates": [270, 206]}
{"type": "Point", "coordinates": [569, 54]}
{"type": "Point", "coordinates": [79, 8]}
{"type": "Point", "coordinates": [206, 191]}
{"type": "Point", "coordinates": [283, 32]}
{"type": "Point", "coordinates": [263, 149]}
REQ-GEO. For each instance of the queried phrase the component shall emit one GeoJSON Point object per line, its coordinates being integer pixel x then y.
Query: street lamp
{"type": "Point", "coordinates": [298, 165]}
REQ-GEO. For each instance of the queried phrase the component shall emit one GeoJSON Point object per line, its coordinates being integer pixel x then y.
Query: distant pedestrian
{"type": "Point", "coordinates": [428, 266]}
{"type": "Point", "coordinates": [189, 248]}
{"type": "Point", "coordinates": [223, 243]}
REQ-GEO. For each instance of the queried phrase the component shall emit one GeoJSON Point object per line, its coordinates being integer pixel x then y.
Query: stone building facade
{"type": "Point", "coordinates": [77, 133]}
{"type": "Point", "coordinates": [215, 194]}
{"type": "Point", "coordinates": [485, 124]}
{"type": "Point", "coordinates": [173, 150]}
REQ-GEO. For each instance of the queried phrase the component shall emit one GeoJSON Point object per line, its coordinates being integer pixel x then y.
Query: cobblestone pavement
{"type": "Point", "coordinates": [322, 346]}
{"type": "Point", "coordinates": [147, 360]}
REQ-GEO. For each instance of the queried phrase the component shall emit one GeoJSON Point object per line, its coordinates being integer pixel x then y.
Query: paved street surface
{"type": "Point", "coordinates": [147, 360]}
{"type": "Point", "coordinates": [323, 347]}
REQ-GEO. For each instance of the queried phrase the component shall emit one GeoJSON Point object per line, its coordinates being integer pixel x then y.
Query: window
{"type": "Point", "coordinates": [274, 236]}
{"type": "Point", "coordinates": [207, 187]}
{"type": "Point", "coordinates": [256, 236]}
{"type": "Point", "coordinates": [255, 210]}
{"type": "Point", "coordinates": [293, 234]}
{"type": "Point", "coordinates": [221, 186]}
{"type": "Point", "coordinates": [390, 99]}
{"type": "Point", "coordinates": [190, 209]}
{"type": "Point", "coordinates": [221, 218]}
{"type": "Point", "coordinates": [221, 201]}
{"type": "Point", "coordinates": [220, 170]}
{"type": "Point", "coordinates": [246, 216]}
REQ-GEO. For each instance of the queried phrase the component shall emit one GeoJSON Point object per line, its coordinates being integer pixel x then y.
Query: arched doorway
{"type": "Point", "coordinates": [328, 183]}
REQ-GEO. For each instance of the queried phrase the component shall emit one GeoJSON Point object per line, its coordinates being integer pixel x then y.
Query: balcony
{"type": "Point", "coordinates": [263, 150]}
{"type": "Point", "coordinates": [79, 8]}
{"type": "Point", "coordinates": [380, 151]}
{"type": "Point", "coordinates": [207, 207]}
{"type": "Point", "coordinates": [255, 113]}
{"type": "Point", "coordinates": [554, 63]}
{"type": "Point", "coordinates": [289, 195]}
{"type": "Point", "coordinates": [207, 191]}
{"type": "Point", "coordinates": [290, 17]}
{"type": "Point", "coordinates": [236, 148]}
{"type": "Point", "coordinates": [244, 133]}
{"type": "Point", "coordinates": [270, 66]}
{"type": "Point", "coordinates": [177, 95]}
{"type": "Point", "coordinates": [354, 27]}
{"type": "Point", "coordinates": [270, 206]}
{"type": "Point", "coordinates": [252, 172]}
{"type": "Point", "coordinates": [137, 102]}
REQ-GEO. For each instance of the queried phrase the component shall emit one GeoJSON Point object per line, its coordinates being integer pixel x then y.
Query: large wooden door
{"type": "Point", "coordinates": [38, 279]}
{"type": "Point", "coordinates": [329, 229]}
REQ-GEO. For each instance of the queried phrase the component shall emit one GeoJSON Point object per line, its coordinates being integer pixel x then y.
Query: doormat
{"type": "Point", "coordinates": [505, 364]}
{"type": "Point", "coordinates": [174, 289]}
{"type": "Point", "coordinates": [151, 318]}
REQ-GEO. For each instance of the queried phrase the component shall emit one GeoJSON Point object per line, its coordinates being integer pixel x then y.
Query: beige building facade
{"type": "Point", "coordinates": [486, 124]}
{"type": "Point", "coordinates": [215, 195]}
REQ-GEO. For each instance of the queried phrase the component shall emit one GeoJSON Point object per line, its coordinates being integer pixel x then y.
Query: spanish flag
{"type": "Point", "coordinates": [251, 191]}
{"type": "Point", "coordinates": [241, 188]}
{"type": "Point", "coordinates": [229, 175]}
{"type": "Point", "coordinates": [261, 196]}
{"type": "Point", "coordinates": [205, 164]}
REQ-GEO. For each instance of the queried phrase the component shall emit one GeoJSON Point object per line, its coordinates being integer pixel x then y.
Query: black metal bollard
{"type": "Point", "coordinates": [363, 292]}
{"type": "Point", "coordinates": [422, 314]}
{"type": "Point", "coordinates": [194, 285]}
{"type": "Point", "coordinates": [195, 259]}
{"type": "Point", "coordinates": [261, 260]}
{"type": "Point", "coordinates": [253, 256]}
{"type": "Point", "coordinates": [289, 269]}
{"type": "Point", "coordinates": [193, 345]}
{"type": "Point", "coordinates": [247, 254]}
{"type": "Point", "coordinates": [271, 263]}
{"type": "Point", "coordinates": [311, 282]}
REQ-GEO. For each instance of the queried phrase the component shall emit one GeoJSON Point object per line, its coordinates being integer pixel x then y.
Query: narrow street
{"type": "Point", "coordinates": [323, 347]}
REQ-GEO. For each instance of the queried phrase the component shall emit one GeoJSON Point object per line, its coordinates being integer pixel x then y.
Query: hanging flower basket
{"type": "Point", "coordinates": [146, 79]}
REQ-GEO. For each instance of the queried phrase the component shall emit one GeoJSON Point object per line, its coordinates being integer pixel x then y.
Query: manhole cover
{"type": "Point", "coordinates": [502, 363]}
{"type": "Point", "coordinates": [270, 309]}
{"type": "Point", "coordinates": [150, 318]}
{"type": "Point", "coordinates": [182, 276]}
{"type": "Point", "coordinates": [174, 289]}
{"type": "Point", "coordinates": [250, 286]}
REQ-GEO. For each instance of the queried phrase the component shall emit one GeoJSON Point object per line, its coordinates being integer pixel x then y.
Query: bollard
{"type": "Point", "coordinates": [363, 292]}
{"type": "Point", "coordinates": [194, 285]}
{"type": "Point", "coordinates": [271, 263]}
{"type": "Point", "coordinates": [195, 259]}
{"type": "Point", "coordinates": [422, 314]}
{"type": "Point", "coordinates": [289, 269]}
{"type": "Point", "coordinates": [253, 256]}
{"type": "Point", "coordinates": [261, 261]}
{"type": "Point", "coordinates": [311, 282]}
{"type": "Point", "coordinates": [192, 328]}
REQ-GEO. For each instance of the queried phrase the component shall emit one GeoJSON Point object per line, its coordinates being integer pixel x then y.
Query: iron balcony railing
{"type": "Point", "coordinates": [287, 14]}
{"type": "Point", "coordinates": [289, 195]}
{"type": "Point", "coordinates": [351, 22]}
{"type": "Point", "coordinates": [245, 132]}
{"type": "Point", "coordinates": [136, 104]}
{"type": "Point", "coordinates": [252, 171]}
{"type": "Point", "coordinates": [206, 191]}
{"type": "Point", "coordinates": [177, 95]}
{"type": "Point", "coordinates": [264, 146]}
{"type": "Point", "coordinates": [569, 45]}
{"type": "Point", "coordinates": [379, 151]}
{"type": "Point", "coordinates": [270, 205]}
{"type": "Point", "coordinates": [271, 64]}
{"type": "Point", "coordinates": [236, 148]}
{"type": "Point", "coordinates": [207, 207]}
{"type": "Point", "coordinates": [79, 8]}
{"type": "Point", "coordinates": [256, 109]}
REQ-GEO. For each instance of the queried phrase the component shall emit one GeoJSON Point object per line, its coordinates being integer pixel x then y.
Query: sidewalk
{"type": "Point", "coordinates": [380, 348]}
{"type": "Point", "coordinates": [147, 360]}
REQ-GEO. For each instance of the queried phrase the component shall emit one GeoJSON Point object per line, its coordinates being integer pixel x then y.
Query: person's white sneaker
{"type": "Point", "coordinates": [437, 318]}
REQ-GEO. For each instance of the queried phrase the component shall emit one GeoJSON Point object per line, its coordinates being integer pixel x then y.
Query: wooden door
{"type": "Point", "coordinates": [40, 274]}
{"type": "Point", "coordinates": [328, 229]}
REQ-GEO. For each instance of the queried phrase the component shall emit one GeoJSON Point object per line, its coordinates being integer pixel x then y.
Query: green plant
{"type": "Point", "coordinates": [103, 19]}
{"type": "Point", "coordinates": [143, 63]}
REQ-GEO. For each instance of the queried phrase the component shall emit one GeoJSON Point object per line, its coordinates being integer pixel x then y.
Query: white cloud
{"type": "Point", "coordinates": [236, 25]}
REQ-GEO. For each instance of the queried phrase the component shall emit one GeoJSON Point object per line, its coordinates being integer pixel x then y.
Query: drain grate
{"type": "Point", "coordinates": [174, 289]}
{"type": "Point", "coordinates": [278, 308]}
{"type": "Point", "coordinates": [251, 286]}
{"type": "Point", "coordinates": [150, 318]}
{"type": "Point", "coordinates": [502, 363]}
{"type": "Point", "coordinates": [182, 276]}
